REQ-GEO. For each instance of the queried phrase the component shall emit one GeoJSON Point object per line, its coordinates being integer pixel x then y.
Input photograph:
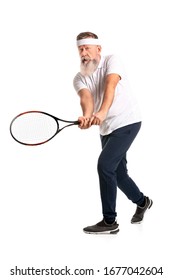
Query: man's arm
{"type": "Point", "coordinates": [109, 93]}
{"type": "Point", "coordinates": [87, 105]}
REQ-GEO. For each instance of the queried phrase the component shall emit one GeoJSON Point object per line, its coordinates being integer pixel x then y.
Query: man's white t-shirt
{"type": "Point", "coordinates": [124, 109]}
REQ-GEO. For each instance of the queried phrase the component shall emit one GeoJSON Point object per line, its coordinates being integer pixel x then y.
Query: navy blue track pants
{"type": "Point", "coordinates": [112, 169]}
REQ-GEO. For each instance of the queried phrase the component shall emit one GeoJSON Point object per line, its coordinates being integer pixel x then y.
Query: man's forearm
{"type": "Point", "coordinates": [107, 100]}
{"type": "Point", "coordinates": [110, 85]}
{"type": "Point", "coordinates": [87, 103]}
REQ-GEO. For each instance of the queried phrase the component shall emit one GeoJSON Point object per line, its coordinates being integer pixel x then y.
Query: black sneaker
{"type": "Point", "coordinates": [140, 211]}
{"type": "Point", "coordinates": [102, 227]}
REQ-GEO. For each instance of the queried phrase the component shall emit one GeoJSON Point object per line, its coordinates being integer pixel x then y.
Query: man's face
{"type": "Point", "coordinates": [90, 57]}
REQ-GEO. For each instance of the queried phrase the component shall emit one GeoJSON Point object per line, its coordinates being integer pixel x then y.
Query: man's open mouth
{"type": "Point", "coordinates": [85, 60]}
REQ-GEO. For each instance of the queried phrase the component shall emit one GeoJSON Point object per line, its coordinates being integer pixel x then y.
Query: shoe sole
{"type": "Point", "coordinates": [103, 232]}
{"type": "Point", "coordinates": [149, 206]}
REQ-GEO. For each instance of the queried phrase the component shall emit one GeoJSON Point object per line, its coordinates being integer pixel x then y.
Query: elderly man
{"type": "Point", "coordinates": [106, 100]}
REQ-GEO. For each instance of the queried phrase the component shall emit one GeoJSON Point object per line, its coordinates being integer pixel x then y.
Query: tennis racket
{"type": "Point", "coordinates": [34, 128]}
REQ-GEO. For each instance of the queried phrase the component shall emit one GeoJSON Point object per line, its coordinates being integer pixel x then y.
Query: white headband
{"type": "Point", "coordinates": [88, 41]}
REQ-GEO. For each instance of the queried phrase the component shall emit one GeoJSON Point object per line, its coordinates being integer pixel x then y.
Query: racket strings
{"type": "Point", "coordinates": [33, 128]}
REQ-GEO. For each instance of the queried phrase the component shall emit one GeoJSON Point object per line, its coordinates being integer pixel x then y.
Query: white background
{"type": "Point", "coordinates": [49, 193]}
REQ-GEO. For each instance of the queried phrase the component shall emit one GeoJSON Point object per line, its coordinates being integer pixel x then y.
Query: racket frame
{"type": "Point", "coordinates": [41, 112]}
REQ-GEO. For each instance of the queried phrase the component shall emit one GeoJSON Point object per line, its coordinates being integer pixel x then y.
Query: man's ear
{"type": "Point", "coordinates": [99, 49]}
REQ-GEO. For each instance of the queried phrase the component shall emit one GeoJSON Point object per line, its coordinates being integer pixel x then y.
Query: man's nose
{"type": "Point", "coordinates": [83, 52]}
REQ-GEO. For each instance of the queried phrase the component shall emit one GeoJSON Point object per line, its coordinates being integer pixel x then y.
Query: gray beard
{"type": "Point", "coordinates": [89, 68]}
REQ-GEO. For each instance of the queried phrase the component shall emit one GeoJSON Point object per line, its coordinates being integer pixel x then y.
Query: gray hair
{"type": "Point", "coordinates": [87, 34]}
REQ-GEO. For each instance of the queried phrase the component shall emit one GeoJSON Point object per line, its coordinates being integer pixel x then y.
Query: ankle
{"type": "Point", "coordinates": [109, 222]}
{"type": "Point", "coordinates": [142, 205]}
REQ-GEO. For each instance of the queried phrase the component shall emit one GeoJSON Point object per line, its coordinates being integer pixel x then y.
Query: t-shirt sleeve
{"type": "Point", "coordinates": [115, 66]}
{"type": "Point", "coordinates": [79, 83]}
